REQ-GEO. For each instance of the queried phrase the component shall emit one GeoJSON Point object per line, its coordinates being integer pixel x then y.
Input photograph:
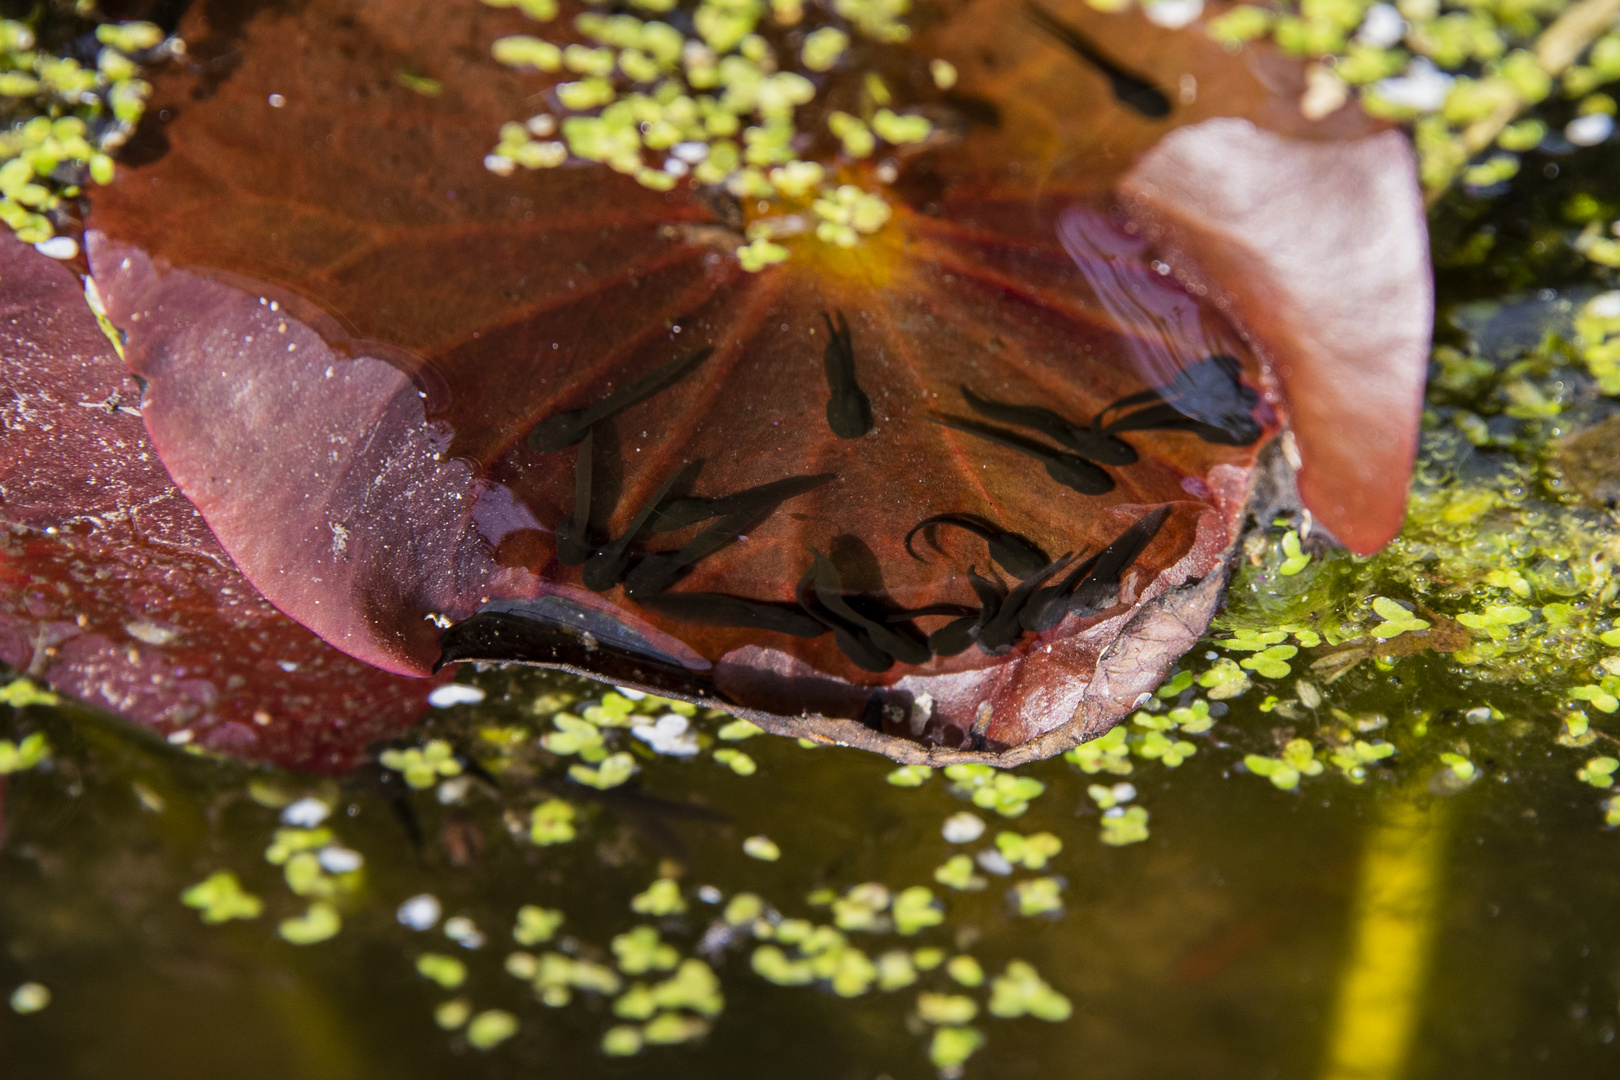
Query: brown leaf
{"type": "Point", "coordinates": [391, 380]}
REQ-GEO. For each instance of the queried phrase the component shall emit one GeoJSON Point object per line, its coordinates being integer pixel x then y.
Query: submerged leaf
{"type": "Point", "coordinates": [112, 588]}
{"type": "Point", "coordinates": [554, 409]}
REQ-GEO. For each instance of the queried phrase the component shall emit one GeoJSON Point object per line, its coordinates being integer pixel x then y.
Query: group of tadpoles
{"type": "Point", "coordinates": [1207, 399]}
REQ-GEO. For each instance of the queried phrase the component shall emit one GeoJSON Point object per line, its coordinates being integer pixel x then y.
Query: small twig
{"type": "Point", "coordinates": [1559, 46]}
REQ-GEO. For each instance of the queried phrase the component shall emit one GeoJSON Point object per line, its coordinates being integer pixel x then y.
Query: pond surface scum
{"type": "Point", "coordinates": [786, 426]}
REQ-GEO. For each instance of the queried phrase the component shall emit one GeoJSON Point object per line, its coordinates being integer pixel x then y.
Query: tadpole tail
{"type": "Point", "coordinates": [1131, 89]}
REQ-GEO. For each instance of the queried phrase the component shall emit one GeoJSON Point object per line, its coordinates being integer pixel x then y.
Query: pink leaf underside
{"type": "Point", "coordinates": [376, 483]}
{"type": "Point", "coordinates": [112, 588]}
{"type": "Point", "coordinates": [1321, 250]}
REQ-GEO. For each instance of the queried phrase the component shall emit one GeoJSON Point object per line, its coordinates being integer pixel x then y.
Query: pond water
{"type": "Point", "coordinates": [1365, 831]}
{"type": "Point", "coordinates": [1333, 931]}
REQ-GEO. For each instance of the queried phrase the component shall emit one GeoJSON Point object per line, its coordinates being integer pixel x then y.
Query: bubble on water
{"type": "Point", "coordinates": [419, 912]}
{"type": "Point", "coordinates": [306, 813]}
{"type": "Point", "coordinates": [455, 694]}
{"type": "Point", "coordinates": [963, 828]}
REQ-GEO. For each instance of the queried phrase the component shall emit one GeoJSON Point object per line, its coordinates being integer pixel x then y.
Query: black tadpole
{"type": "Point", "coordinates": [566, 428]}
{"type": "Point", "coordinates": [999, 632]}
{"type": "Point", "coordinates": [1131, 89]}
{"type": "Point", "coordinates": [1099, 591]}
{"type": "Point", "coordinates": [691, 509]}
{"type": "Point", "coordinates": [607, 566]}
{"type": "Point", "coordinates": [1015, 554]}
{"type": "Point", "coordinates": [1093, 445]}
{"type": "Point", "coordinates": [960, 633]}
{"type": "Point", "coordinates": [1067, 469]}
{"type": "Point", "coordinates": [720, 609]}
{"type": "Point", "coordinates": [1207, 399]}
{"type": "Point", "coordinates": [849, 410]}
{"type": "Point", "coordinates": [573, 532]}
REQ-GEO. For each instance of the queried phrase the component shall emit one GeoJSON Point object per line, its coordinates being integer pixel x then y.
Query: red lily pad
{"type": "Point", "coordinates": [113, 590]}
{"type": "Point", "coordinates": [970, 484]}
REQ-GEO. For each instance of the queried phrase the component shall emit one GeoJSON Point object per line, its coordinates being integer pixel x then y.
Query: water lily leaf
{"type": "Point", "coordinates": [963, 488]}
{"type": "Point", "coordinates": [112, 588]}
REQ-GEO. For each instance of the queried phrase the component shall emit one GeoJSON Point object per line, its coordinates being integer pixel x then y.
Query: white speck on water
{"type": "Point", "coordinates": [1382, 26]}
{"type": "Point", "coordinates": [58, 247]}
{"type": "Point", "coordinates": [455, 694]}
{"type": "Point", "coordinates": [690, 152]}
{"type": "Point", "coordinates": [1424, 87]}
{"type": "Point", "coordinates": [179, 738]}
{"type": "Point", "coordinates": [419, 912]}
{"type": "Point", "coordinates": [340, 860]}
{"type": "Point", "coordinates": [633, 695]}
{"type": "Point", "coordinates": [464, 932]}
{"type": "Point", "coordinates": [994, 861]}
{"type": "Point", "coordinates": [277, 101]}
{"type": "Point", "coordinates": [1172, 14]}
{"type": "Point", "coordinates": [1589, 130]}
{"type": "Point", "coordinates": [151, 633]}
{"type": "Point", "coordinates": [710, 895]}
{"type": "Point", "coordinates": [962, 828]}
{"type": "Point", "coordinates": [670, 734]}
{"type": "Point", "coordinates": [306, 813]}
{"type": "Point", "coordinates": [1605, 305]}
{"type": "Point", "coordinates": [289, 666]}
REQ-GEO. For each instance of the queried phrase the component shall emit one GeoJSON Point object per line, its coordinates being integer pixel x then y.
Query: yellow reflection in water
{"type": "Point", "coordinates": [1381, 990]}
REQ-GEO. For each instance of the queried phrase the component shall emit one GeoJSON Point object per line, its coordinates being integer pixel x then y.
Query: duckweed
{"type": "Point", "coordinates": [895, 971]}
{"type": "Point", "coordinates": [422, 767]}
{"type": "Point", "coordinates": [221, 898]}
{"type": "Point", "coordinates": [662, 897]}
{"type": "Point", "coordinates": [946, 1009]}
{"type": "Point", "coordinates": [737, 761]}
{"type": "Point", "coordinates": [30, 997]}
{"type": "Point", "coordinates": [1106, 753]}
{"type": "Point", "coordinates": [641, 951]}
{"type": "Point", "coordinates": [614, 770]}
{"type": "Point", "coordinates": [1040, 896]}
{"type": "Point", "coordinates": [1124, 825]}
{"type": "Point", "coordinates": [65, 120]}
{"type": "Point", "coordinates": [1020, 991]}
{"type": "Point", "coordinates": [861, 908]}
{"type": "Point", "coordinates": [957, 873]}
{"type": "Point", "coordinates": [738, 730]}
{"type": "Point", "coordinates": [552, 822]}
{"type": "Point", "coordinates": [622, 1040]}
{"type": "Point", "coordinates": [667, 108]}
{"type": "Point", "coordinates": [1298, 758]}
{"type": "Point", "coordinates": [762, 848]}
{"type": "Point", "coordinates": [1005, 793]}
{"type": "Point", "coordinates": [910, 776]}
{"type": "Point", "coordinates": [447, 971]}
{"type": "Point", "coordinates": [1031, 852]}
{"type": "Point", "coordinates": [24, 755]}
{"type": "Point", "coordinates": [535, 925]}
{"type": "Point", "coordinates": [915, 910]}
{"type": "Point", "coordinates": [318, 923]}
{"type": "Point", "coordinates": [490, 1028]}
{"type": "Point", "coordinates": [450, 1015]}
{"type": "Point", "coordinates": [965, 970]}
{"type": "Point", "coordinates": [952, 1046]}
{"type": "Point", "coordinates": [1599, 771]}
{"type": "Point", "coordinates": [20, 693]}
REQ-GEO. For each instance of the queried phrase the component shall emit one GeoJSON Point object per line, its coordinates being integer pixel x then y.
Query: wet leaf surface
{"type": "Point", "coordinates": [112, 587]}
{"type": "Point", "coordinates": [554, 410]}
